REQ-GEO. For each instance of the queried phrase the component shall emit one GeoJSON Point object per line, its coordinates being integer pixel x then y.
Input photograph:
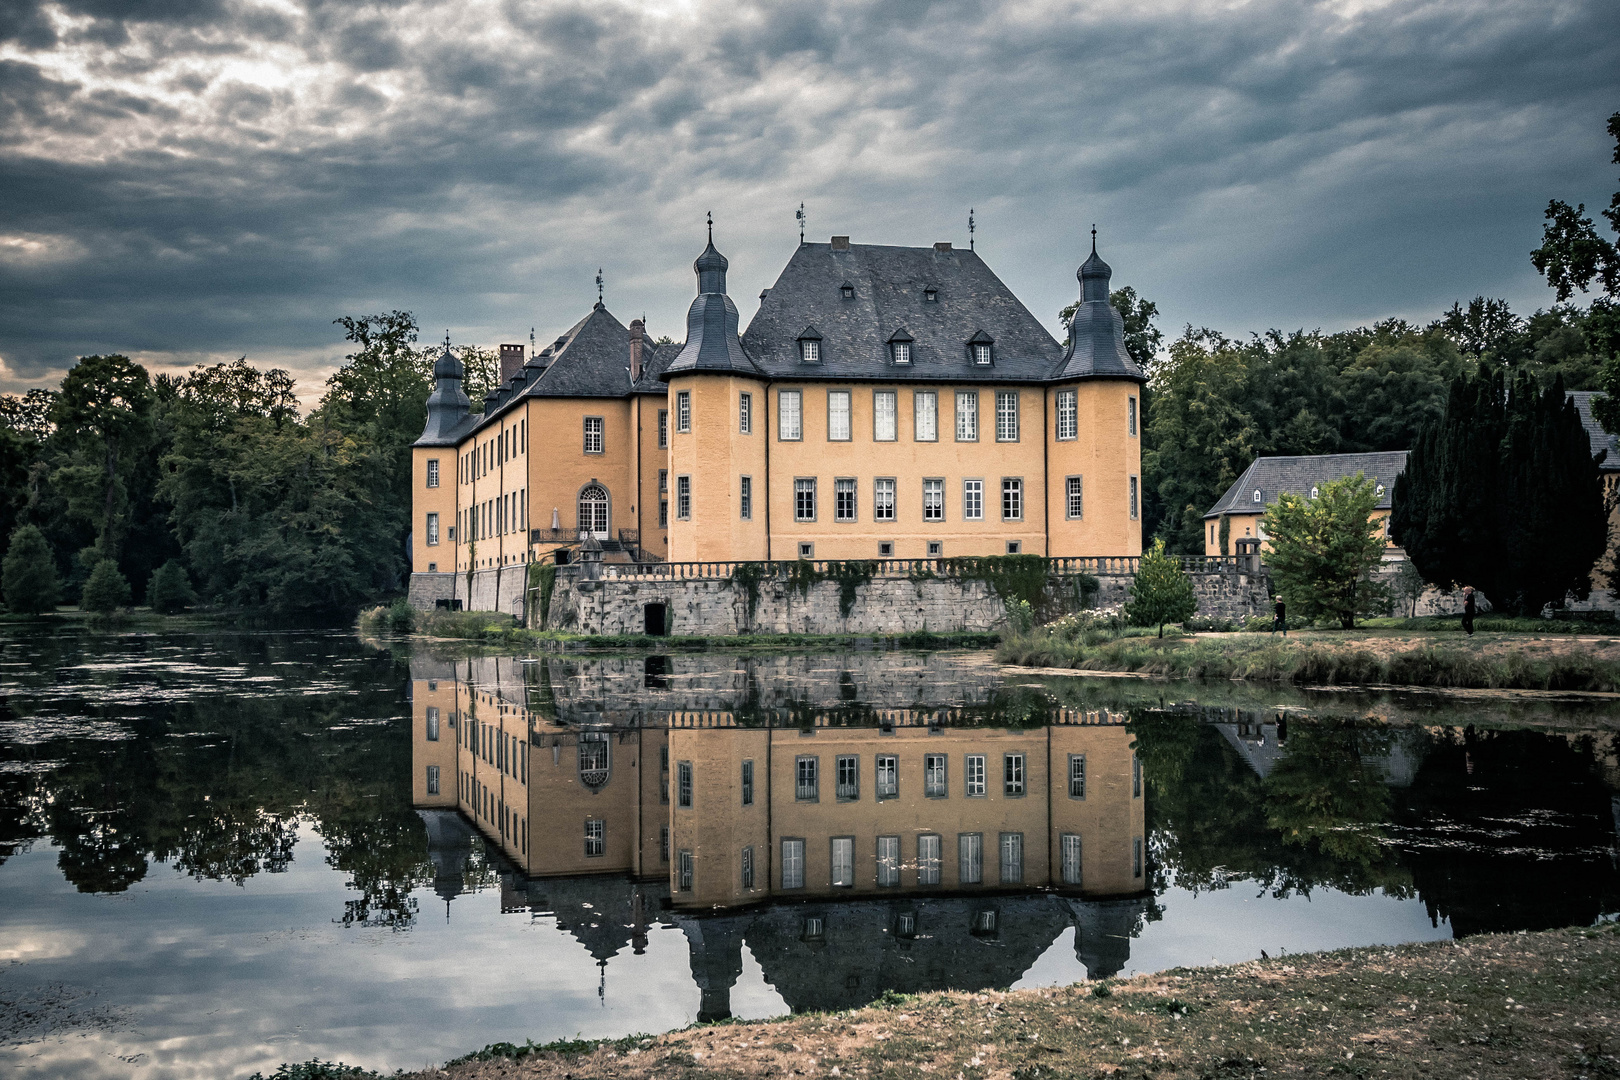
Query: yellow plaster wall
{"type": "Point", "coordinates": [1109, 819]}
{"type": "Point", "coordinates": [560, 804]}
{"type": "Point", "coordinates": [715, 454]}
{"type": "Point", "coordinates": [428, 694]}
{"type": "Point", "coordinates": [1105, 455]}
{"type": "Point", "coordinates": [650, 459]}
{"type": "Point", "coordinates": [1248, 526]}
{"type": "Point", "coordinates": [480, 769]}
{"type": "Point", "coordinates": [440, 500]}
{"type": "Point", "coordinates": [717, 827]}
{"type": "Point", "coordinates": [908, 462]}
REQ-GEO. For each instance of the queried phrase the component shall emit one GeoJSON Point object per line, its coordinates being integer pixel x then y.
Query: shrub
{"type": "Point", "coordinates": [106, 591]}
{"type": "Point", "coordinates": [318, 1070]}
{"type": "Point", "coordinates": [170, 591]}
{"type": "Point", "coordinates": [401, 616]}
{"type": "Point", "coordinates": [28, 575]}
{"type": "Point", "coordinates": [1162, 592]}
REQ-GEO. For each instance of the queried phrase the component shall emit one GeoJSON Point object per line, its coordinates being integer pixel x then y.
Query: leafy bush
{"type": "Point", "coordinates": [106, 591]}
{"type": "Point", "coordinates": [169, 590]}
{"type": "Point", "coordinates": [401, 616]}
{"type": "Point", "coordinates": [316, 1069]}
{"type": "Point", "coordinates": [28, 574]}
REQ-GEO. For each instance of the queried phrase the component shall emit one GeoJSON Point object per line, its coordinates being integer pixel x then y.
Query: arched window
{"type": "Point", "coordinates": [593, 511]}
{"type": "Point", "coordinates": [595, 762]}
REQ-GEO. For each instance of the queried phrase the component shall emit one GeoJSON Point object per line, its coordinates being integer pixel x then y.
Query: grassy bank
{"type": "Point", "coordinates": [1317, 662]}
{"type": "Point", "coordinates": [490, 628]}
{"type": "Point", "coordinates": [1491, 1007]}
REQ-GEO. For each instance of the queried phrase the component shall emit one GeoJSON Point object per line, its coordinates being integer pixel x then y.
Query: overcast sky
{"type": "Point", "coordinates": [193, 180]}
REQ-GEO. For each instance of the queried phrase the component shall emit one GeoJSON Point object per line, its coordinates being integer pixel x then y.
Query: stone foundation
{"type": "Point", "coordinates": [496, 589]}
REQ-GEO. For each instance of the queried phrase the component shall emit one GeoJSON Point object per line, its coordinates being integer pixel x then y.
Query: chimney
{"type": "Point", "coordinates": [637, 329]}
{"type": "Point", "coordinates": [840, 243]}
{"type": "Point", "coordinates": [942, 245]}
{"type": "Point", "coordinates": [511, 362]}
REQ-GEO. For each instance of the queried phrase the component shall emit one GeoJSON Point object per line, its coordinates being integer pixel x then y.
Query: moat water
{"type": "Point", "coordinates": [221, 851]}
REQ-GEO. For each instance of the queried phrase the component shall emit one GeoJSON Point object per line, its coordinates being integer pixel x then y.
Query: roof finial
{"type": "Point", "coordinates": [1094, 238]}
{"type": "Point", "coordinates": [799, 216]}
{"type": "Point", "coordinates": [970, 228]}
{"type": "Point", "coordinates": [531, 343]}
{"type": "Point", "coordinates": [598, 286]}
{"type": "Point", "coordinates": [447, 339]}
{"type": "Point", "coordinates": [711, 226]}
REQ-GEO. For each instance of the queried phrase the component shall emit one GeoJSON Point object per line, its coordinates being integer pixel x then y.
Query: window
{"type": "Point", "coordinates": [1379, 491]}
{"type": "Point", "coordinates": [1012, 499]}
{"type": "Point", "coordinates": [789, 415]}
{"type": "Point", "coordinates": [974, 773]}
{"type": "Point", "coordinates": [807, 551]}
{"type": "Point", "coordinates": [843, 862]}
{"type": "Point", "coordinates": [593, 434]}
{"type": "Point", "coordinates": [683, 872]}
{"type": "Point", "coordinates": [663, 429]}
{"type": "Point", "coordinates": [806, 779]}
{"type": "Point", "coordinates": [745, 414]}
{"type": "Point", "coordinates": [885, 421]}
{"type": "Point", "coordinates": [936, 548]}
{"type": "Point", "coordinates": [885, 549]}
{"type": "Point", "coordinates": [1315, 493]}
{"type": "Point", "coordinates": [1133, 499]}
{"type": "Point", "coordinates": [1006, 416]}
{"type": "Point", "coordinates": [683, 410]}
{"type": "Point", "coordinates": [928, 859]}
{"type": "Point", "coordinates": [748, 783]}
{"type": "Point", "coordinates": [838, 415]}
{"type": "Point", "coordinates": [432, 779]}
{"type": "Point", "coordinates": [1077, 776]}
{"type": "Point", "coordinates": [596, 840]}
{"type": "Point", "coordinates": [1012, 774]}
{"type": "Point", "coordinates": [663, 481]}
{"type": "Point", "coordinates": [663, 513]}
{"type": "Point", "coordinates": [745, 501]}
{"type": "Point", "coordinates": [848, 777]}
{"type": "Point", "coordinates": [883, 499]}
{"type": "Point", "coordinates": [1257, 495]}
{"type": "Point", "coordinates": [925, 416]}
{"type": "Point", "coordinates": [888, 861]}
{"type": "Point", "coordinates": [663, 843]}
{"type": "Point", "coordinates": [748, 868]}
{"type": "Point", "coordinates": [814, 928]}
{"type": "Point", "coordinates": [593, 509]}
{"type": "Point", "coordinates": [1130, 416]}
{"type": "Point", "coordinates": [810, 351]}
{"type": "Point", "coordinates": [792, 864]}
{"type": "Point", "coordinates": [844, 500]}
{"type": "Point", "coordinates": [967, 416]}
{"type": "Point", "coordinates": [970, 858]}
{"type": "Point", "coordinates": [1012, 858]}
{"type": "Point", "coordinates": [1136, 857]}
{"type": "Point", "coordinates": [934, 500]}
{"type": "Point", "coordinates": [973, 500]}
{"type": "Point", "coordinates": [1068, 415]}
{"type": "Point", "coordinates": [1136, 777]}
{"type": "Point", "coordinates": [433, 528]}
{"type": "Point", "coordinates": [1074, 503]}
{"type": "Point", "coordinates": [683, 785]}
{"type": "Point", "coordinates": [847, 291]}
{"type": "Point", "coordinates": [1069, 858]}
{"type": "Point", "coordinates": [433, 473]}
{"type": "Point", "coordinates": [888, 776]}
{"type": "Point", "coordinates": [984, 923]}
{"type": "Point", "coordinates": [934, 786]}
{"type": "Point", "coordinates": [981, 353]}
{"type": "Point", "coordinates": [902, 351]}
{"type": "Point", "coordinates": [930, 296]}
{"type": "Point", "coordinates": [804, 499]}
{"type": "Point", "coordinates": [433, 723]}
{"type": "Point", "coordinates": [683, 498]}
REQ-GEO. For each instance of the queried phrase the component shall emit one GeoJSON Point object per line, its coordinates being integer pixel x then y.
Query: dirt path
{"type": "Point", "coordinates": [1490, 1007]}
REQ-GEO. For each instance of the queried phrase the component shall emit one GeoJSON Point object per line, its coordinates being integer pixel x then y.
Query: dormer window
{"type": "Point", "coordinates": [900, 347]}
{"type": "Point", "coordinates": [1314, 492]}
{"type": "Point", "coordinates": [1380, 491]}
{"type": "Point", "coordinates": [981, 349]}
{"type": "Point", "coordinates": [847, 291]}
{"type": "Point", "coordinates": [930, 296]}
{"type": "Point", "coordinates": [1257, 495]}
{"type": "Point", "coordinates": [809, 346]}
{"type": "Point", "coordinates": [981, 354]}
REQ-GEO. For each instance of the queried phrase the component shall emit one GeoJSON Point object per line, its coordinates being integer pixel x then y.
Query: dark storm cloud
{"type": "Point", "coordinates": [226, 176]}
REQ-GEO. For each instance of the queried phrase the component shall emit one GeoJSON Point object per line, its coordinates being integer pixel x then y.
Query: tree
{"type": "Point", "coordinates": [105, 407]}
{"type": "Point", "coordinates": [28, 574]}
{"type": "Point", "coordinates": [170, 589]}
{"type": "Point", "coordinates": [106, 590]}
{"type": "Point", "coordinates": [1572, 255]}
{"type": "Point", "coordinates": [1161, 592]}
{"type": "Point", "coordinates": [1324, 549]}
{"type": "Point", "coordinates": [1502, 493]}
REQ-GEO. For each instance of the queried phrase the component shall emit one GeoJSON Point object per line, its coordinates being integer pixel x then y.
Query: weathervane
{"type": "Point", "coordinates": [1094, 238]}
{"type": "Point", "coordinates": [447, 340]}
{"type": "Point", "coordinates": [531, 343]}
{"type": "Point", "coordinates": [599, 285]}
{"type": "Point", "coordinates": [800, 218]}
{"type": "Point", "coordinates": [971, 227]}
{"type": "Point", "coordinates": [711, 227]}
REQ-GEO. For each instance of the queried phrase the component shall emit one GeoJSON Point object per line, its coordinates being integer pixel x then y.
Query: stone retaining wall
{"type": "Point", "coordinates": [496, 589]}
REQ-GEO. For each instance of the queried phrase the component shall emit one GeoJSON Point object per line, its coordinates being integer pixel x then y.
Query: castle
{"type": "Point", "coordinates": [883, 403]}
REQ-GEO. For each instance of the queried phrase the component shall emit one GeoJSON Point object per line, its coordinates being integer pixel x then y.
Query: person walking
{"type": "Point", "coordinates": [1468, 610]}
{"type": "Point", "coordinates": [1280, 618]}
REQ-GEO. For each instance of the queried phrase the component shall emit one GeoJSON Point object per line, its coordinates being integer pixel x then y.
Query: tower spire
{"type": "Point", "coordinates": [711, 226]}
{"type": "Point", "coordinates": [970, 228]}
{"type": "Point", "coordinates": [598, 286]}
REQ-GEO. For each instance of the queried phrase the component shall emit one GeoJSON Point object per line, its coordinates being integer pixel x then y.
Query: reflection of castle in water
{"type": "Point", "coordinates": [854, 848]}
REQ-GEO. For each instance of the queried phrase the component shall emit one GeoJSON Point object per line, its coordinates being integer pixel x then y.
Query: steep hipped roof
{"type": "Point", "coordinates": [1271, 476]}
{"type": "Point", "coordinates": [889, 284]}
{"type": "Point", "coordinates": [711, 323]}
{"type": "Point", "coordinates": [1097, 332]}
{"type": "Point", "coordinates": [592, 361]}
{"type": "Point", "coordinates": [1601, 440]}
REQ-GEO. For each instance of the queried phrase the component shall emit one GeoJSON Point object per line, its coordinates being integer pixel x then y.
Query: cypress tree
{"type": "Point", "coordinates": [106, 590]}
{"type": "Point", "coordinates": [28, 575]}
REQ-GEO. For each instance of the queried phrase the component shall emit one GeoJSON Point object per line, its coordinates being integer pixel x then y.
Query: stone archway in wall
{"type": "Point", "coordinates": [595, 511]}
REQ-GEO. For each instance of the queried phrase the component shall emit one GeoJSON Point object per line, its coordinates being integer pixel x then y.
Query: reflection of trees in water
{"type": "Point", "coordinates": [1324, 793]}
{"type": "Point", "coordinates": [217, 785]}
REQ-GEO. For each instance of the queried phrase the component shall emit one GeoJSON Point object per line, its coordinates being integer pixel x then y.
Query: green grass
{"type": "Point", "coordinates": [1314, 663]}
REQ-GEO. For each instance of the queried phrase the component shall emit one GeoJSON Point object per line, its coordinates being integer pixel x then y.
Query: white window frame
{"type": "Point", "coordinates": [433, 472]}
{"type": "Point", "coordinates": [847, 777]}
{"type": "Point", "coordinates": [745, 413]}
{"type": "Point", "coordinates": [1077, 776]}
{"type": "Point", "coordinates": [790, 415]}
{"type": "Point", "coordinates": [663, 429]}
{"type": "Point", "coordinates": [595, 838]}
{"type": "Point", "coordinates": [841, 862]}
{"type": "Point", "coordinates": [982, 354]}
{"type": "Point", "coordinates": [925, 416]}
{"type": "Point", "coordinates": [1013, 487]}
{"type": "Point", "coordinates": [973, 776]}
{"type": "Point", "coordinates": [1074, 498]}
{"type": "Point", "coordinates": [972, 499]}
{"type": "Point", "coordinates": [839, 416]}
{"type": "Point", "coordinates": [792, 862]}
{"type": "Point", "coordinates": [745, 498]}
{"type": "Point", "coordinates": [809, 351]}
{"type": "Point", "coordinates": [1071, 856]}
{"type": "Point", "coordinates": [683, 498]}
{"type": "Point", "coordinates": [886, 776]}
{"type": "Point", "coordinates": [933, 486]}
{"type": "Point", "coordinates": [885, 416]}
{"type": "Point", "coordinates": [928, 858]}
{"type": "Point", "coordinates": [936, 776]}
{"type": "Point", "coordinates": [901, 351]}
{"type": "Point", "coordinates": [432, 530]}
{"type": "Point", "coordinates": [683, 411]}
{"type": "Point", "coordinates": [1068, 415]}
{"type": "Point", "coordinates": [595, 437]}
{"type": "Point", "coordinates": [970, 858]}
{"type": "Point", "coordinates": [967, 416]}
{"type": "Point", "coordinates": [1014, 775]}
{"type": "Point", "coordinates": [1130, 423]}
{"type": "Point", "coordinates": [1136, 509]}
{"type": "Point", "coordinates": [1006, 416]}
{"type": "Point", "coordinates": [883, 498]}
{"type": "Point", "coordinates": [842, 486]}
{"type": "Point", "coordinates": [804, 485]}
{"type": "Point", "coordinates": [1011, 849]}
{"type": "Point", "coordinates": [888, 862]}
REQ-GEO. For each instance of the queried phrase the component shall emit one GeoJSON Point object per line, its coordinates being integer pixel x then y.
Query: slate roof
{"type": "Point", "coordinates": [1601, 440]}
{"type": "Point", "coordinates": [1097, 331]}
{"type": "Point", "coordinates": [888, 297]}
{"type": "Point", "coordinates": [1295, 475]}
